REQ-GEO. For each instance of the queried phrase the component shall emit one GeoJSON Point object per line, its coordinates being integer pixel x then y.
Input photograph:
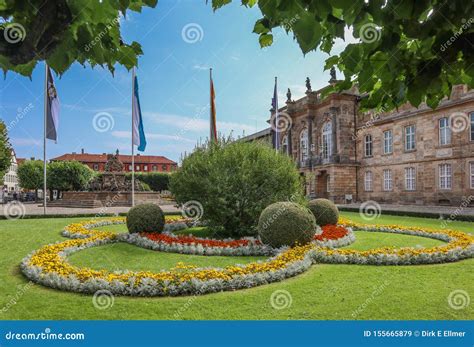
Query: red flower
{"type": "Point", "coordinates": [331, 232]}
{"type": "Point", "coordinates": [188, 239]}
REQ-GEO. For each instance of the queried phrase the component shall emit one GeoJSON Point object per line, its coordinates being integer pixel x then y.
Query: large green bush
{"type": "Point", "coordinates": [146, 218]}
{"type": "Point", "coordinates": [286, 224]}
{"type": "Point", "coordinates": [234, 182]}
{"type": "Point", "coordinates": [324, 211]}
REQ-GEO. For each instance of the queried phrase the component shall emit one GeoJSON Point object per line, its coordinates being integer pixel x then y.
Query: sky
{"type": "Point", "coordinates": [181, 40]}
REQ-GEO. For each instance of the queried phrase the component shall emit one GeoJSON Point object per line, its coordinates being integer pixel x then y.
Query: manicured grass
{"type": "Point", "coordinates": [326, 291]}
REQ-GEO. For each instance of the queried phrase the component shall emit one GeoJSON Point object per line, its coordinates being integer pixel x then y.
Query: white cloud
{"type": "Point", "coordinates": [127, 135]}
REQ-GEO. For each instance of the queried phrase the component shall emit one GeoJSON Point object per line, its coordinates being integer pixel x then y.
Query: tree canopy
{"type": "Point", "coordinates": [408, 51]}
{"type": "Point", "coordinates": [5, 151]}
{"type": "Point", "coordinates": [68, 175]}
{"type": "Point", "coordinates": [30, 174]}
{"type": "Point", "coordinates": [66, 31]}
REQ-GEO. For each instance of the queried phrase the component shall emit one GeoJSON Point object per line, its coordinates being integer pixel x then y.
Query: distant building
{"type": "Point", "coordinates": [143, 163]}
{"type": "Point", "coordinates": [10, 180]}
{"type": "Point", "coordinates": [408, 156]}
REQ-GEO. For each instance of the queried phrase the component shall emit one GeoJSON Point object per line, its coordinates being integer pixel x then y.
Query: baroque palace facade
{"type": "Point", "coordinates": [406, 156]}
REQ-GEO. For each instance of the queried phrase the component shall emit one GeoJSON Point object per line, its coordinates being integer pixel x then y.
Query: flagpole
{"type": "Point", "coordinates": [211, 121]}
{"type": "Point", "coordinates": [44, 135]}
{"type": "Point", "coordinates": [276, 115]}
{"type": "Point", "coordinates": [133, 149]}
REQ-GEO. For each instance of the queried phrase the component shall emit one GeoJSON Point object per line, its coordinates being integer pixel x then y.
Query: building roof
{"type": "Point", "coordinates": [258, 135]}
{"type": "Point", "coordinates": [126, 159]}
{"type": "Point", "coordinates": [20, 161]}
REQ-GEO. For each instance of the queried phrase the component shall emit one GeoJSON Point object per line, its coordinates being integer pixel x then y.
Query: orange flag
{"type": "Point", "coordinates": [213, 134]}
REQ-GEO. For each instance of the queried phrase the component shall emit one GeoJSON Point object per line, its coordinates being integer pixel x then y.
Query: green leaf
{"type": "Point", "coordinates": [265, 40]}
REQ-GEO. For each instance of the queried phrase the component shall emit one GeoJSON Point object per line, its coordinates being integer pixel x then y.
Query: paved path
{"type": "Point", "coordinates": [35, 209]}
{"type": "Point", "coordinates": [441, 210]}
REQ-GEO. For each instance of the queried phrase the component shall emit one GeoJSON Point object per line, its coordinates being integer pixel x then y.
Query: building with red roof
{"type": "Point", "coordinates": [143, 163]}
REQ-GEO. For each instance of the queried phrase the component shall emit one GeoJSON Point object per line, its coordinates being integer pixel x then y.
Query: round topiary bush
{"type": "Point", "coordinates": [286, 224]}
{"type": "Point", "coordinates": [146, 218]}
{"type": "Point", "coordinates": [324, 211]}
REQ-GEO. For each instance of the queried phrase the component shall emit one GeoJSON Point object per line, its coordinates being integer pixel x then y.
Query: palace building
{"type": "Point", "coordinates": [405, 156]}
{"type": "Point", "coordinates": [143, 163]}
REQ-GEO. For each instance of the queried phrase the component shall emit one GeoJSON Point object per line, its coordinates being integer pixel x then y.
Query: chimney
{"type": "Point", "coordinates": [82, 150]}
{"type": "Point", "coordinates": [74, 153]}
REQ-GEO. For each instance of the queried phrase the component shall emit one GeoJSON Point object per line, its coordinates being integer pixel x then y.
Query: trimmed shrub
{"type": "Point", "coordinates": [156, 181]}
{"type": "Point", "coordinates": [286, 224]}
{"type": "Point", "coordinates": [146, 218]}
{"type": "Point", "coordinates": [324, 211]}
{"type": "Point", "coordinates": [234, 182]}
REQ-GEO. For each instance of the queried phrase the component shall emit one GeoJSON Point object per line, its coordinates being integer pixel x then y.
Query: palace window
{"type": "Point", "coordinates": [284, 144]}
{"type": "Point", "coordinates": [327, 140]}
{"type": "Point", "coordinates": [445, 176]}
{"type": "Point", "coordinates": [96, 167]}
{"type": "Point", "coordinates": [304, 150]}
{"type": "Point", "coordinates": [410, 178]}
{"type": "Point", "coordinates": [137, 167]}
{"type": "Point", "coordinates": [368, 145]}
{"type": "Point", "coordinates": [410, 138]}
{"type": "Point", "coordinates": [444, 131]}
{"type": "Point", "coordinates": [130, 168]}
{"type": "Point", "coordinates": [164, 168]}
{"type": "Point", "coordinates": [368, 181]}
{"type": "Point", "coordinates": [154, 168]}
{"type": "Point", "coordinates": [472, 174]}
{"type": "Point", "coordinates": [472, 126]}
{"type": "Point", "coordinates": [387, 180]}
{"type": "Point", "coordinates": [145, 168]}
{"type": "Point", "coordinates": [387, 142]}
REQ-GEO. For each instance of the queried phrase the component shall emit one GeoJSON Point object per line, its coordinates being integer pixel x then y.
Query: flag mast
{"type": "Point", "coordinates": [211, 102]}
{"type": "Point", "coordinates": [44, 134]}
{"type": "Point", "coordinates": [133, 139]}
{"type": "Point", "coordinates": [275, 101]}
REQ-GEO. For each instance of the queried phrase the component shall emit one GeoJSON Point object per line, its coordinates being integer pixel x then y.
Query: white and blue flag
{"type": "Point", "coordinates": [138, 131]}
{"type": "Point", "coordinates": [52, 107]}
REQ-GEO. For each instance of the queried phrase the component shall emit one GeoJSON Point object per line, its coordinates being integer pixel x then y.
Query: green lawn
{"type": "Point", "coordinates": [324, 292]}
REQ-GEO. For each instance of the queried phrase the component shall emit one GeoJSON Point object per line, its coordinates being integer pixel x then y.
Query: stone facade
{"type": "Point", "coordinates": [397, 157]}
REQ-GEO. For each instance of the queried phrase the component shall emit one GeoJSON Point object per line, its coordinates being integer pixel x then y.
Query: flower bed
{"type": "Point", "coordinates": [48, 266]}
{"type": "Point", "coordinates": [459, 246]}
{"type": "Point", "coordinates": [168, 242]}
{"type": "Point", "coordinates": [335, 236]}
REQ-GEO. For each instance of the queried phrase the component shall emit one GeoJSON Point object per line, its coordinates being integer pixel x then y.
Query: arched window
{"type": "Point", "coordinates": [304, 150]}
{"type": "Point", "coordinates": [284, 144]}
{"type": "Point", "coordinates": [327, 140]}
